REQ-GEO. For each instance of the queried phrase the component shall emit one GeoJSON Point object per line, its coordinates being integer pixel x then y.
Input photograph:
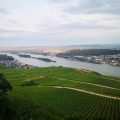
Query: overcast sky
{"type": "Point", "coordinates": [59, 22]}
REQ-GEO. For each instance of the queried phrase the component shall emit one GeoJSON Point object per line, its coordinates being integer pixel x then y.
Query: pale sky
{"type": "Point", "coordinates": [59, 22]}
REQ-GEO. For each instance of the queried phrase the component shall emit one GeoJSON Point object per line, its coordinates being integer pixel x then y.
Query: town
{"type": "Point", "coordinates": [96, 56]}
{"type": "Point", "coordinates": [113, 60]}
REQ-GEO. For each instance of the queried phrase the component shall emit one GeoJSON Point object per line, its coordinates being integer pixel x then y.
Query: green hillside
{"type": "Point", "coordinates": [57, 93]}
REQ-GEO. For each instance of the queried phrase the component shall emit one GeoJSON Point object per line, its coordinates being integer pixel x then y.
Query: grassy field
{"type": "Point", "coordinates": [57, 93]}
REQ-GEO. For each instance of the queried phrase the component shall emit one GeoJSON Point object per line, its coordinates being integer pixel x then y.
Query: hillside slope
{"type": "Point", "coordinates": [57, 93]}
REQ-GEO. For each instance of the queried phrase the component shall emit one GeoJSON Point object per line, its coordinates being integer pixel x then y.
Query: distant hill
{"type": "Point", "coordinates": [89, 52]}
{"type": "Point", "coordinates": [57, 49]}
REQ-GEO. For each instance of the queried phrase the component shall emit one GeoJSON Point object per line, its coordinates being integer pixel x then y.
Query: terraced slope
{"type": "Point", "coordinates": [63, 94]}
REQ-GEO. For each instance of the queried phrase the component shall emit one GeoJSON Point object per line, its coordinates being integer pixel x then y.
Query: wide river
{"type": "Point", "coordinates": [100, 68]}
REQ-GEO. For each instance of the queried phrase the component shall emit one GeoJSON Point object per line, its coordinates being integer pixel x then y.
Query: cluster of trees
{"type": "Point", "coordinates": [5, 109]}
{"type": "Point", "coordinates": [5, 57]}
{"type": "Point", "coordinates": [89, 52]}
{"type": "Point", "coordinates": [5, 86]}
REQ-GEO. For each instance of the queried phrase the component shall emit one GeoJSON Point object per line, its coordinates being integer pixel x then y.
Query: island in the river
{"type": "Point", "coordinates": [40, 58]}
{"type": "Point", "coordinates": [24, 55]}
{"type": "Point", "coordinates": [44, 59]}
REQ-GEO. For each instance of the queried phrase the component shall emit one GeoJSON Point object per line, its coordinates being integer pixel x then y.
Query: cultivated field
{"type": "Point", "coordinates": [58, 93]}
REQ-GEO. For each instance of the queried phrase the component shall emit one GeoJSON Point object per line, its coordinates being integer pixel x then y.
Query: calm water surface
{"type": "Point", "coordinates": [100, 68]}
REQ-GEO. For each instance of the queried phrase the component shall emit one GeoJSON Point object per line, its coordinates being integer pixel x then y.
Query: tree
{"type": "Point", "coordinates": [4, 85]}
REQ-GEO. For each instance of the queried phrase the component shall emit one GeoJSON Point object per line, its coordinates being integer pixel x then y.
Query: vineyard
{"type": "Point", "coordinates": [58, 93]}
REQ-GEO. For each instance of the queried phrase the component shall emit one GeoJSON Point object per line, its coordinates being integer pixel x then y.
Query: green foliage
{"type": "Point", "coordinates": [30, 83]}
{"type": "Point", "coordinates": [33, 96]}
{"type": "Point", "coordinates": [4, 84]}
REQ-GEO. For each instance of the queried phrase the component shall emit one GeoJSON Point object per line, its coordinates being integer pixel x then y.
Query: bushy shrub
{"type": "Point", "coordinates": [4, 85]}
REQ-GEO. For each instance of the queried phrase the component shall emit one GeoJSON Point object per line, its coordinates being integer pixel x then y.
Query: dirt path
{"type": "Point", "coordinates": [85, 91]}
{"type": "Point", "coordinates": [98, 85]}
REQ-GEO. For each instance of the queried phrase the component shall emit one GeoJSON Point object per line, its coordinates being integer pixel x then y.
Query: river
{"type": "Point", "coordinates": [104, 69]}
